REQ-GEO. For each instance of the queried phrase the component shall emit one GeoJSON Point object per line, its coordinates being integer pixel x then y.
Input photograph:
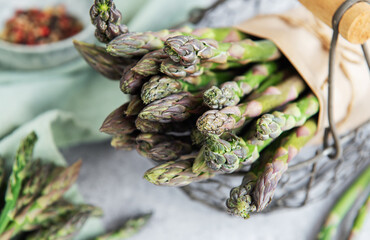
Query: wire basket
{"type": "Point", "coordinates": [310, 178]}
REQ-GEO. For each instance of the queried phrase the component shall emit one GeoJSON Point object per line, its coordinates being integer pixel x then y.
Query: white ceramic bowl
{"type": "Point", "coordinates": [17, 56]}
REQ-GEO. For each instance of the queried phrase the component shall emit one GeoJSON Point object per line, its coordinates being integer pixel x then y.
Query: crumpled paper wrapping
{"type": "Point", "coordinates": [305, 42]}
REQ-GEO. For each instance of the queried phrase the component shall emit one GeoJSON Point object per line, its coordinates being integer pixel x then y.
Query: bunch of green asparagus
{"type": "Point", "coordinates": [34, 207]}
{"type": "Point", "coordinates": [204, 102]}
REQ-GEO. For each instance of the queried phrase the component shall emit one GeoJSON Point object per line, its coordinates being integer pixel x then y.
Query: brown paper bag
{"type": "Point", "coordinates": [305, 43]}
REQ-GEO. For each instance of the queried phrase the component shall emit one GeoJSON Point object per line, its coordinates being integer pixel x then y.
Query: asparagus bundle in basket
{"type": "Point", "coordinates": [195, 92]}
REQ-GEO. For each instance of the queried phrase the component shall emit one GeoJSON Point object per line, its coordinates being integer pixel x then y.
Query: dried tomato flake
{"type": "Point", "coordinates": [34, 26]}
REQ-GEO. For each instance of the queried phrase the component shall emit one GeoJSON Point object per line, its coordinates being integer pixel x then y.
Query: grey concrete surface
{"type": "Point", "coordinates": [113, 180]}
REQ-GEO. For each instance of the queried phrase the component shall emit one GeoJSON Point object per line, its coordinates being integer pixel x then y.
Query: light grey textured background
{"type": "Point", "coordinates": [113, 180]}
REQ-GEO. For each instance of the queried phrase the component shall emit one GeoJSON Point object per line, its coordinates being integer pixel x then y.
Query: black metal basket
{"type": "Point", "coordinates": [311, 178]}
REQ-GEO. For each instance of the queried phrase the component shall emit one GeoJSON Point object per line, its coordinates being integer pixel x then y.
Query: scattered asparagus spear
{"type": "Point", "coordinates": [174, 108]}
{"type": "Point", "coordinates": [117, 123]}
{"type": "Point", "coordinates": [259, 184]}
{"type": "Point", "coordinates": [294, 115]}
{"type": "Point", "coordinates": [104, 63]}
{"type": "Point", "coordinates": [230, 93]}
{"type": "Point", "coordinates": [130, 228]}
{"type": "Point", "coordinates": [159, 87]}
{"type": "Point", "coordinates": [188, 50]}
{"type": "Point", "coordinates": [217, 122]}
{"type": "Point", "coordinates": [343, 205]}
{"type": "Point", "coordinates": [68, 228]}
{"type": "Point", "coordinates": [23, 156]}
{"type": "Point", "coordinates": [58, 184]}
{"type": "Point", "coordinates": [360, 219]}
{"type": "Point", "coordinates": [106, 18]}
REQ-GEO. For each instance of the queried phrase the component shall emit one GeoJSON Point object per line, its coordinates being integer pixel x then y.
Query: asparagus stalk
{"type": "Point", "coordinates": [259, 184]}
{"type": "Point", "coordinates": [150, 63]}
{"type": "Point", "coordinates": [175, 174]}
{"type": "Point", "coordinates": [134, 106]}
{"type": "Point", "coordinates": [294, 115]}
{"type": "Point", "coordinates": [140, 43]}
{"type": "Point", "coordinates": [118, 123]}
{"type": "Point", "coordinates": [104, 63]}
{"type": "Point", "coordinates": [58, 184]}
{"type": "Point", "coordinates": [169, 151]}
{"type": "Point", "coordinates": [159, 147]}
{"type": "Point", "coordinates": [176, 70]}
{"type": "Point", "coordinates": [130, 228]}
{"type": "Point", "coordinates": [131, 82]}
{"type": "Point", "coordinates": [147, 126]}
{"type": "Point", "coordinates": [23, 156]}
{"type": "Point", "coordinates": [188, 50]}
{"type": "Point", "coordinates": [124, 141]}
{"type": "Point", "coordinates": [106, 18]}
{"type": "Point", "coordinates": [217, 122]}
{"type": "Point", "coordinates": [360, 219]}
{"type": "Point", "coordinates": [174, 108]}
{"type": "Point", "coordinates": [68, 228]}
{"type": "Point", "coordinates": [343, 205]}
{"type": "Point", "coordinates": [225, 153]}
{"type": "Point", "coordinates": [230, 93]}
{"type": "Point", "coordinates": [159, 87]}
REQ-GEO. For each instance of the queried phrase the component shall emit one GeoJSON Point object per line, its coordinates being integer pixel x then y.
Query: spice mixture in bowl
{"type": "Point", "coordinates": [36, 35]}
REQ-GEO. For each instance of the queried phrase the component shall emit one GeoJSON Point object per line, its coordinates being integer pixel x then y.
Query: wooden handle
{"type": "Point", "coordinates": [355, 23]}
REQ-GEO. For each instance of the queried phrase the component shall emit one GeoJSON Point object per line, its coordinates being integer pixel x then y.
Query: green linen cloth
{"type": "Point", "coordinates": [66, 105]}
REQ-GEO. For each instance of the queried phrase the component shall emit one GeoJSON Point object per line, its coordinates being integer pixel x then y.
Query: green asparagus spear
{"type": "Point", "coordinates": [106, 18]}
{"type": "Point", "coordinates": [124, 141]}
{"type": "Point", "coordinates": [135, 106]}
{"type": "Point", "coordinates": [68, 227]}
{"type": "Point", "coordinates": [130, 228]}
{"type": "Point", "coordinates": [147, 126]}
{"type": "Point", "coordinates": [175, 174]}
{"type": "Point", "coordinates": [188, 50]}
{"type": "Point", "coordinates": [58, 184]}
{"type": "Point", "coordinates": [217, 122]}
{"type": "Point", "coordinates": [176, 70]}
{"type": "Point", "coordinates": [174, 108]}
{"type": "Point", "coordinates": [227, 152]}
{"type": "Point", "coordinates": [23, 156]}
{"type": "Point", "coordinates": [294, 115]}
{"type": "Point", "coordinates": [230, 93]}
{"type": "Point", "coordinates": [140, 43]}
{"type": "Point", "coordinates": [161, 147]}
{"type": "Point", "coordinates": [360, 219]}
{"type": "Point", "coordinates": [343, 205]}
{"type": "Point", "coordinates": [104, 63]}
{"type": "Point", "coordinates": [150, 63]}
{"type": "Point", "coordinates": [259, 184]}
{"type": "Point", "coordinates": [131, 82]}
{"type": "Point", "coordinates": [159, 87]}
{"type": "Point", "coordinates": [118, 123]}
